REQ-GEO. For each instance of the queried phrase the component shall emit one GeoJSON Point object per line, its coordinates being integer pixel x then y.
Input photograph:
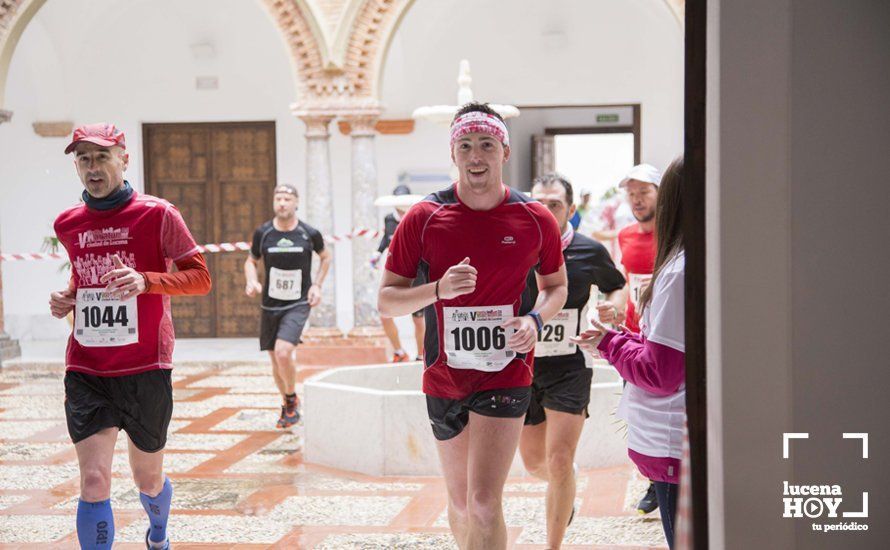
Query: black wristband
{"type": "Point", "coordinates": [437, 290]}
{"type": "Point", "coordinates": [536, 317]}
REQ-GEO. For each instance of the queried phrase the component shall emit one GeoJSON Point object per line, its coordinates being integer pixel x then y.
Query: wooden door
{"type": "Point", "coordinates": [221, 177]}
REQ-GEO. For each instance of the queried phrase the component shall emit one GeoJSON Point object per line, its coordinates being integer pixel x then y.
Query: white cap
{"type": "Point", "coordinates": [645, 173]}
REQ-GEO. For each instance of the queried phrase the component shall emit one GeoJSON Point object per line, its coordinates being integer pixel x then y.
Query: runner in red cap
{"type": "Point", "coordinates": [121, 245]}
{"type": "Point", "coordinates": [472, 246]}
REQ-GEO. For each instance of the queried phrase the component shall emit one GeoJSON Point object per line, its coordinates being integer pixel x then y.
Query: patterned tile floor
{"type": "Point", "coordinates": [241, 484]}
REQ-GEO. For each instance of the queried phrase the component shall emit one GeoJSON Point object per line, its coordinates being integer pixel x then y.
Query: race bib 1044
{"type": "Point", "coordinates": [285, 284]}
{"type": "Point", "coordinates": [474, 338]}
{"type": "Point", "coordinates": [102, 320]}
{"type": "Point", "coordinates": [554, 337]}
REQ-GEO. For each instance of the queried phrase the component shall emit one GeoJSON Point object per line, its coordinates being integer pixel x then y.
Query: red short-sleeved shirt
{"type": "Point", "coordinates": [638, 251]}
{"type": "Point", "coordinates": [148, 234]}
{"type": "Point", "coordinates": [504, 244]}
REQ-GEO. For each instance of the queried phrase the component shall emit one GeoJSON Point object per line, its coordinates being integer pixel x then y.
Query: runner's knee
{"type": "Point", "coordinates": [149, 481]}
{"type": "Point", "coordinates": [532, 459]}
{"type": "Point", "coordinates": [284, 355]}
{"type": "Point", "coordinates": [559, 464]}
{"type": "Point", "coordinates": [458, 506]}
{"type": "Point", "coordinates": [484, 507]}
{"type": "Point", "coordinates": [95, 483]}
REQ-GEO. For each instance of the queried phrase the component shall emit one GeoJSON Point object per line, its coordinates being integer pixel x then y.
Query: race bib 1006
{"type": "Point", "coordinates": [474, 338]}
{"type": "Point", "coordinates": [101, 320]}
{"type": "Point", "coordinates": [554, 337]}
{"type": "Point", "coordinates": [285, 284]}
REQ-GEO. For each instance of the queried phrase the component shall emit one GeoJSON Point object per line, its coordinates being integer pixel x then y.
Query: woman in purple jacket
{"type": "Point", "coordinates": [653, 362]}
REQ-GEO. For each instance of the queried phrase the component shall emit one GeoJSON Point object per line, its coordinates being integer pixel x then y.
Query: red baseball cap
{"type": "Point", "coordinates": [103, 134]}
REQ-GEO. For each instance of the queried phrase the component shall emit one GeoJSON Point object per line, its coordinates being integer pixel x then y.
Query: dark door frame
{"type": "Point", "coordinates": [633, 128]}
{"type": "Point", "coordinates": [694, 232]}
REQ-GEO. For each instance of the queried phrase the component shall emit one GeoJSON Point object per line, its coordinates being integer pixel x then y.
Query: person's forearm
{"type": "Point", "coordinates": [384, 244]}
{"type": "Point", "coordinates": [192, 279]}
{"type": "Point", "coordinates": [323, 268]}
{"type": "Point", "coordinates": [618, 299]}
{"type": "Point", "coordinates": [658, 369]}
{"type": "Point", "coordinates": [550, 301]}
{"type": "Point", "coordinates": [395, 301]}
{"type": "Point", "coordinates": [250, 273]}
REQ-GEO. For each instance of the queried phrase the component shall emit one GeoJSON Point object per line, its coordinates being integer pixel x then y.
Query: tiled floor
{"type": "Point", "coordinates": [239, 483]}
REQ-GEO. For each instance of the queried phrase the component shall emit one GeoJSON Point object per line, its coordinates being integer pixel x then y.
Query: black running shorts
{"type": "Point", "coordinates": [283, 324]}
{"type": "Point", "coordinates": [449, 417]}
{"type": "Point", "coordinates": [558, 389]}
{"type": "Point", "coordinates": [139, 404]}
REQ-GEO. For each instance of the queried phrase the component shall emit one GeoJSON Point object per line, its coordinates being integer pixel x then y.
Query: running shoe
{"type": "Point", "coordinates": [649, 502]}
{"type": "Point", "coordinates": [288, 418]}
{"type": "Point", "coordinates": [400, 357]}
{"type": "Point", "coordinates": [151, 545]}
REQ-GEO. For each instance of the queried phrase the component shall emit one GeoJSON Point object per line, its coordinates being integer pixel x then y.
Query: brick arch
{"type": "Point", "coordinates": [14, 17]}
{"type": "Point", "coordinates": [370, 35]}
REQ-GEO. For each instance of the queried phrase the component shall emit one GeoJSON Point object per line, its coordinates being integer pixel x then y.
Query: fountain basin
{"type": "Point", "coordinates": [372, 419]}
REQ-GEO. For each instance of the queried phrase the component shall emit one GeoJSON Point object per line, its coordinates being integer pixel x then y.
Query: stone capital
{"type": "Point", "coordinates": [316, 124]}
{"type": "Point", "coordinates": [362, 124]}
{"type": "Point", "coordinates": [5, 116]}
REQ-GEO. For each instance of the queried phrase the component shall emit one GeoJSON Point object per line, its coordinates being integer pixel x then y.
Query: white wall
{"type": "Point", "coordinates": [798, 128]}
{"type": "Point", "coordinates": [130, 62]}
{"type": "Point", "coordinates": [528, 52]}
{"type": "Point", "coordinates": [748, 250]}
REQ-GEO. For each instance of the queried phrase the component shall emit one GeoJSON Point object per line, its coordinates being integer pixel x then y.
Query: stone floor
{"type": "Point", "coordinates": [239, 483]}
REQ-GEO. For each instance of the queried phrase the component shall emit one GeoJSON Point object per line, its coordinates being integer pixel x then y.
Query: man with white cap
{"type": "Point", "coordinates": [637, 244]}
{"type": "Point", "coordinates": [637, 240]}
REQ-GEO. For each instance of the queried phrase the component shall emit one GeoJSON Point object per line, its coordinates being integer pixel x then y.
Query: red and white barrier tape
{"type": "Point", "coordinates": [212, 248]}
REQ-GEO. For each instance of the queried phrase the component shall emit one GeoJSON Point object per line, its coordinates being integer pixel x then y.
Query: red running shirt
{"type": "Point", "coordinates": [113, 338]}
{"type": "Point", "coordinates": [638, 252]}
{"type": "Point", "coordinates": [464, 351]}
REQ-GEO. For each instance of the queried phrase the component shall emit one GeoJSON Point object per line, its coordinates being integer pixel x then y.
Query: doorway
{"type": "Point", "coordinates": [221, 177]}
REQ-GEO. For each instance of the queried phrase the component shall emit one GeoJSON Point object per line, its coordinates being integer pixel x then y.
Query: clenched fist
{"type": "Point", "coordinates": [458, 280]}
{"type": "Point", "coordinates": [61, 303]}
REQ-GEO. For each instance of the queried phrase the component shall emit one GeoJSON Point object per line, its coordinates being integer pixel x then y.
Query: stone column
{"type": "Point", "coordinates": [364, 214]}
{"type": "Point", "coordinates": [9, 348]}
{"type": "Point", "coordinates": [317, 209]}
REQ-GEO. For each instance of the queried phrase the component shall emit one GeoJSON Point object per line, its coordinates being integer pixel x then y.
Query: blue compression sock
{"type": "Point", "coordinates": [158, 510]}
{"type": "Point", "coordinates": [95, 524]}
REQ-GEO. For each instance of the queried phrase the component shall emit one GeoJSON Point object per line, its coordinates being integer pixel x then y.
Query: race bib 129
{"type": "Point", "coordinates": [554, 337]}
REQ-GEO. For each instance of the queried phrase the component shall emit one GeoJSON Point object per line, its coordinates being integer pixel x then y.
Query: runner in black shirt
{"type": "Point", "coordinates": [285, 244]}
{"type": "Point", "coordinates": [561, 386]}
{"type": "Point", "coordinates": [390, 223]}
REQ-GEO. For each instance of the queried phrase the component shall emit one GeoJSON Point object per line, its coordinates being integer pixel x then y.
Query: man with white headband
{"type": "Point", "coordinates": [472, 246]}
